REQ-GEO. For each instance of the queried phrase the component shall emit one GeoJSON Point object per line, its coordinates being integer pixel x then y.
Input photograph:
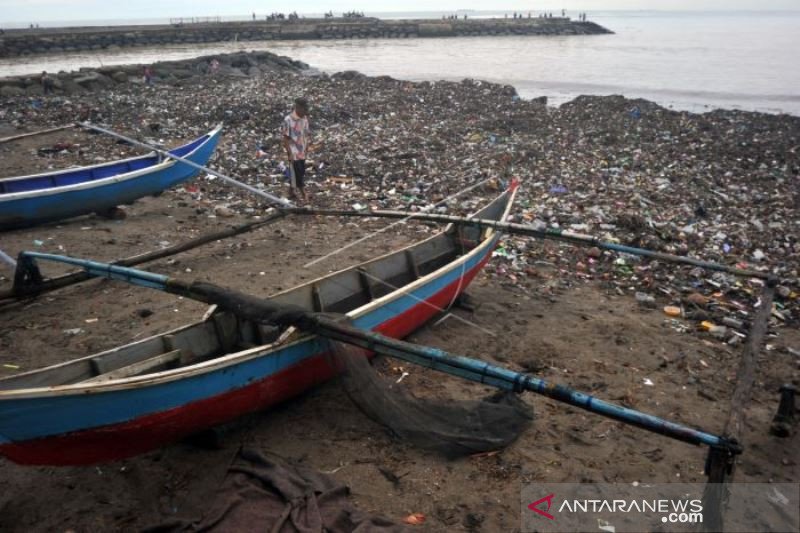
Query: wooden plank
{"type": "Point", "coordinates": [137, 368]}
{"type": "Point", "coordinates": [366, 283]}
{"type": "Point", "coordinates": [412, 264]}
{"type": "Point", "coordinates": [720, 465]}
{"type": "Point", "coordinates": [125, 355]}
{"type": "Point", "coordinates": [227, 330]}
{"type": "Point", "coordinates": [317, 298]}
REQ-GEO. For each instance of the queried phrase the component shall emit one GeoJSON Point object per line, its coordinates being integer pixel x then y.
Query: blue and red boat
{"type": "Point", "coordinates": [137, 397]}
{"type": "Point", "coordinates": [29, 200]}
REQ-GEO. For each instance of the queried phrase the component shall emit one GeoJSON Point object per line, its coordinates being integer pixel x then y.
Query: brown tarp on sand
{"type": "Point", "coordinates": [261, 493]}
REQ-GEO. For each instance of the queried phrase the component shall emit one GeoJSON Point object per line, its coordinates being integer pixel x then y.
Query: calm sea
{"type": "Point", "coordinates": [696, 61]}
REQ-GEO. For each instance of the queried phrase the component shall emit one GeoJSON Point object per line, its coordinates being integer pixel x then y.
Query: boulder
{"type": "Point", "coordinates": [119, 77]}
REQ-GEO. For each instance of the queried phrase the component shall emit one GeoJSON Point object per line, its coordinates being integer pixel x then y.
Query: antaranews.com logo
{"type": "Point", "coordinates": [672, 511]}
{"type": "Point", "coordinates": [668, 507]}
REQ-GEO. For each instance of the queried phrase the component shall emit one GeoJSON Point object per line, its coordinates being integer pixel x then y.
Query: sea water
{"type": "Point", "coordinates": [685, 60]}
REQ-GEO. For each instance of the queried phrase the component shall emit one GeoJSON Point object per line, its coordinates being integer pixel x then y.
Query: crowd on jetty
{"type": "Point", "coordinates": [295, 16]}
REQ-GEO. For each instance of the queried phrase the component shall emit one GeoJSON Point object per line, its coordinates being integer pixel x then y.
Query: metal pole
{"type": "Point", "coordinates": [274, 199]}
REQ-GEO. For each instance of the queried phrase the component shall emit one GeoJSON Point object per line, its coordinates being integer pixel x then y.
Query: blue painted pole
{"type": "Point", "coordinates": [483, 372]}
{"type": "Point", "coordinates": [102, 270]}
{"type": "Point", "coordinates": [257, 309]}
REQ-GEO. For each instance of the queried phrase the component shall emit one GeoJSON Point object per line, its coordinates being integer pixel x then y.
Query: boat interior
{"type": "Point", "coordinates": [222, 332]}
{"type": "Point", "coordinates": [85, 174]}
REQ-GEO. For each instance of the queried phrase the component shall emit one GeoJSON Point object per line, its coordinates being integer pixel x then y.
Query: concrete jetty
{"type": "Point", "coordinates": [24, 42]}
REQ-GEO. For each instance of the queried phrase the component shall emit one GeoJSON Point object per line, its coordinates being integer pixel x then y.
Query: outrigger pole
{"type": "Point", "coordinates": [264, 311]}
{"type": "Point", "coordinates": [274, 199]}
{"type": "Point", "coordinates": [7, 259]}
{"type": "Point", "coordinates": [530, 231]}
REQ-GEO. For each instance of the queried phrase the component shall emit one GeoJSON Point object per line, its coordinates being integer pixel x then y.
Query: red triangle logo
{"type": "Point", "coordinates": [535, 506]}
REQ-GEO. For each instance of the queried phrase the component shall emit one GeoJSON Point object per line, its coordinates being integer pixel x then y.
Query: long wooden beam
{"type": "Point", "coordinates": [720, 466]}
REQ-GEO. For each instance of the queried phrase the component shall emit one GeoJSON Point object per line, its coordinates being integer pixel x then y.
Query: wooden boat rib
{"type": "Point", "coordinates": [28, 200]}
{"type": "Point", "coordinates": [134, 398]}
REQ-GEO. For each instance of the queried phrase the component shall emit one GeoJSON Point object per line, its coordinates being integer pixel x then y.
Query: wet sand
{"type": "Point", "coordinates": [563, 313]}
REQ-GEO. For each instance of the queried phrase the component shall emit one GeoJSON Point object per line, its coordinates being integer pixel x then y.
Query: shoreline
{"type": "Point", "coordinates": [194, 69]}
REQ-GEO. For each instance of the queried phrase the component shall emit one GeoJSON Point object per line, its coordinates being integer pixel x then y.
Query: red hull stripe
{"type": "Point", "coordinates": [121, 440]}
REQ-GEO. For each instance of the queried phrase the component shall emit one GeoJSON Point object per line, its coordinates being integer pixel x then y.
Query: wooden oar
{"type": "Point", "coordinates": [549, 233]}
{"type": "Point", "coordinates": [265, 311]}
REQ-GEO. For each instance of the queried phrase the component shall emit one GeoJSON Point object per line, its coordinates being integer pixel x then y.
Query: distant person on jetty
{"type": "Point", "coordinates": [296, 142]}
{"type": "Point", "coordinates": [47, 83]}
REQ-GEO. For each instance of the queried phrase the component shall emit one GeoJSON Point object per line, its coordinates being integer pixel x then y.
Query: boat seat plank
{"type": "Point", "coordinates": [317, 298]}
{"type": "Point", "coordinates": [196, 343]}
{"type": "Point", "coordinates": [227, 330]}
{"type": "Point", "coordinates": [135, 369]}
{"type": "Point", "coordinates": [412, 264]}
{"type": "Point", "coordinates": [125, 355]}
{"type": "Point", "coordinates": [366, 283]}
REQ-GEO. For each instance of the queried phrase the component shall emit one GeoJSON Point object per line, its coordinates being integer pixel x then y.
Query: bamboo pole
{"type": "Point", "coordinates": [7, 259]}
{"type": "Point", "coordinates": [66, 280]}
{"type": "Point", "coordinates": [34, 133]}
{"type": "Point", "coordinates": [549, 234]}
{"type": "Point", "coordinates": [223, 177]}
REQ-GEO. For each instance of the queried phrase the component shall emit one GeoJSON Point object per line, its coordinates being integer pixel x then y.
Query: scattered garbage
{"type": "Point", "coordinates": [415, 519]}
{"type": "Point", "coordinates": [718, 186]}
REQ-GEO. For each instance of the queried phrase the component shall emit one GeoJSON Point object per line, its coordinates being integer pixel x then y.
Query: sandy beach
{"type": "Point", "coordinates": [721, 186]}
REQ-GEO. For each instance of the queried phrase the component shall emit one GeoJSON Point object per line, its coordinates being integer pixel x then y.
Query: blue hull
{"type": "Point", "coordinates": [57, 203]}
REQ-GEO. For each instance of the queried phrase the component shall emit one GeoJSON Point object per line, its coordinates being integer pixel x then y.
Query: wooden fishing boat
{"type": "Point", "coordinates": [29, 200]}
{"type": "Point", "coordinates": [134, 398]}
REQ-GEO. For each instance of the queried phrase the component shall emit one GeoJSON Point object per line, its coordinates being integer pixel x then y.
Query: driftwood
{"type": "Point", "coordinates": [720, 465]}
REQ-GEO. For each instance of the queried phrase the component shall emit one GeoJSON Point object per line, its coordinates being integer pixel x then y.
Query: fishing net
{"type": "Point", "coordinates": [452, 427]}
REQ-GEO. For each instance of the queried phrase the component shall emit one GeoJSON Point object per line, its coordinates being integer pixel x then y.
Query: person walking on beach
{"type": "Point", "coordinates": [47, 83]}
{"type": "Point", "coordinates": [148, 75]}
{"type": "Point", "coordinates": [296, 142]}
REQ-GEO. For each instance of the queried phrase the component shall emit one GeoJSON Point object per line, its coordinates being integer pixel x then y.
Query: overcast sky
{"type": "Point", "coordinates": [56, 10]}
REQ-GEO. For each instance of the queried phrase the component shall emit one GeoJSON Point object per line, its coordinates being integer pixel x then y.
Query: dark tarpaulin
{"type": "Point", "coordinates": [262, 493]}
